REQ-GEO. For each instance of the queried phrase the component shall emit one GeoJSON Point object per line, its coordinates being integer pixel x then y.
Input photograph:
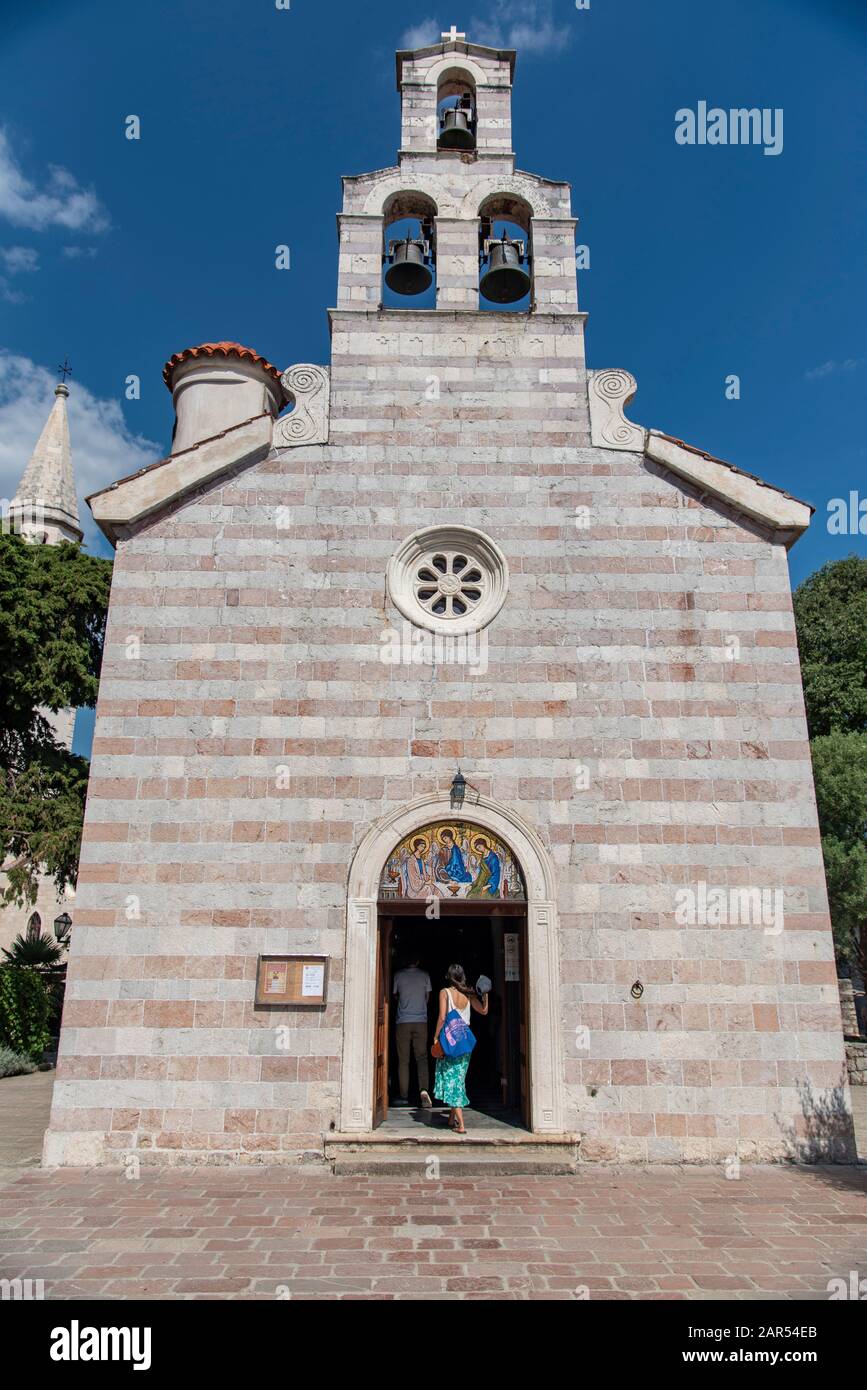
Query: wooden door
{"type": "Point", "coordinates": [381, 1022]}
{"type": "Point", "coordinates": [524, 1032]}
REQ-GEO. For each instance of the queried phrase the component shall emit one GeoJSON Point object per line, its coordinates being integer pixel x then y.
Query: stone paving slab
{"type": "Point", "coordinates": [266, 1233]}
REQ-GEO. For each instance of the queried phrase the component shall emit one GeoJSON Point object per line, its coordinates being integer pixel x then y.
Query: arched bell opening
{"type": "Point", "coordinates": [505, 255]}
{"type": "Point", "coordinates": [456, 111]}
{"type": "Point", "coordinates": [409, 251]}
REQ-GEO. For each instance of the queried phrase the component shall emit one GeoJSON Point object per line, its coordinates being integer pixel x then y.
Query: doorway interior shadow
{"type": "Point", "coordinates": [485, 941]}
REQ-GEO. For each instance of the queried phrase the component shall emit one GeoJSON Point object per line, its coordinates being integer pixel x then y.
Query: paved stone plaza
{"type": "Point", "coordinates": [687, 1233]}
{"type": "Point", "coordinates": [671, 1233]}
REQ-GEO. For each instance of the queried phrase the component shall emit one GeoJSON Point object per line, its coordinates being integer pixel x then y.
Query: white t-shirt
{"type": "Point", "coordinates": [412, 987]}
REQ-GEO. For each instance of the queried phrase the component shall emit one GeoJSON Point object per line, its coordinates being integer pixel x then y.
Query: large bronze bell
{"type": "Point", "coordinates": [456, 130]}
{"type": "Point", "coordinates": [505, 281]}
{"type": "Point", "coordinates": [408, 272]}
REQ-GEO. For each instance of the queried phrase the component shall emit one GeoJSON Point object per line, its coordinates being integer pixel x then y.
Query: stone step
{"type": "Point", "coordinates": [476, 1155]}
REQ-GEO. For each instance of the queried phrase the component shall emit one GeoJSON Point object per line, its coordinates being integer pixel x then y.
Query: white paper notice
{"type": "Point", "coordinates": [312, 981]}
{"type": "Point", "coordinates": [512, 955]}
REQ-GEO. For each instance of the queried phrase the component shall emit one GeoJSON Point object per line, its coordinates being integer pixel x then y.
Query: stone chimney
{"type": "Point", "coordinates": [218, 386]}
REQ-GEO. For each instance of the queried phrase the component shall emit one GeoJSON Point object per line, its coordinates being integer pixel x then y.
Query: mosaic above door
{"type": "Point", "coordinates": [452, 859]}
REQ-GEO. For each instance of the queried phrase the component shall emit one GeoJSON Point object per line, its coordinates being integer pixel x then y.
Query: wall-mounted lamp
{"type": "Point", "coordinates": [458, 791]}
{"type": "Point", "coordinates": [62, 926]}
{"type": "Point", "coordinates": [460, 787]}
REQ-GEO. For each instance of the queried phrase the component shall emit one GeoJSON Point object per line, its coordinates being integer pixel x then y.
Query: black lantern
{"type": "Point", "coordinates": [459, 787]}
{"type": "Point", "coordinates": [62, 926]}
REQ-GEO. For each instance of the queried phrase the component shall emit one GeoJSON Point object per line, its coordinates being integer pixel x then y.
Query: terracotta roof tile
{"type": "Point", "coordinates": [702, 453]}
{"type": "Point", "coordinates": [217, 350]}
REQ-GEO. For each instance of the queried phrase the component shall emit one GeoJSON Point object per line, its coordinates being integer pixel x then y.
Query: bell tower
{"type": "Point", "coordinates": [455, 75]}
{"type": "Point", "coordinates": [453, 225]}
{"type": "Point", "coordinates": [44, 507]}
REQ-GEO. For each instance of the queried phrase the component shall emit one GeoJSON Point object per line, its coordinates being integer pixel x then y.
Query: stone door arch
{"type": "Point", "coordinates": [546, 1053]}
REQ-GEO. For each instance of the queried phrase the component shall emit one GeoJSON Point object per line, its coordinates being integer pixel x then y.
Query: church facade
{"type": "Point", "coordinates": [431, 652]}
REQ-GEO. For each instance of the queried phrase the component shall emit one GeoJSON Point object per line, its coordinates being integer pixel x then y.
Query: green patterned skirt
{"type": "Point", "coordinates": [450, 1081]}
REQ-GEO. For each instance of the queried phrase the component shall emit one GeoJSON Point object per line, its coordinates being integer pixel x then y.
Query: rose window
{"type": "Point", "coordinates": [449, 579]}
{"type": "Point", "coordinates": [449, 585]}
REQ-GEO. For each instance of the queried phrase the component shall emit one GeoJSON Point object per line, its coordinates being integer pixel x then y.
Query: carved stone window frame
{"type": "Point", "coordinates": [480, 551]}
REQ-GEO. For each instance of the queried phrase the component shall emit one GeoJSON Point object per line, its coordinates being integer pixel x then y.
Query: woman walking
{"type": "Point", "coordinates": [451, 1072]}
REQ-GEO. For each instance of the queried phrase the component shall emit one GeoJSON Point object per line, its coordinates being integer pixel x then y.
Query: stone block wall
{"type": "Point", "coordinates": [856, 1062]}
{"type": "Point", "coordinates": [239, 760]}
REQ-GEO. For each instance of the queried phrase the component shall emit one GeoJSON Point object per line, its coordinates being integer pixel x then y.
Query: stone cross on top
{"type": "Point", "coordinates": [453, 34]}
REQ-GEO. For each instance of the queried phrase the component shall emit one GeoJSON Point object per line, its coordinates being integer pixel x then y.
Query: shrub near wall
{"type": "Point", "coordinates": [25, 1011]}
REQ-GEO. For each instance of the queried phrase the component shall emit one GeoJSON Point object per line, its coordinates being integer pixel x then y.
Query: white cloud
{"type": "Point", "coordinates": [75, 253]}
{"type": "Point", "coordinates": [527, 25]}
{"type": "Point", "coordinates": [19, 260]}
{"type": "Point", "coordinates": [103, 446]}
{"type": "Point", "coordinates": [420, 35]}
{"type": "Point", "coordinates": [60, 203]}
{"type": "Point", "coordinates": [16, 260]}
{"type": "Point", "coordinates": [832, 368]}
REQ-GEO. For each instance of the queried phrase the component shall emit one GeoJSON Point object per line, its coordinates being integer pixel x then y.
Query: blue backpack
{"type": "Point", "coordinates": [456, 1036]}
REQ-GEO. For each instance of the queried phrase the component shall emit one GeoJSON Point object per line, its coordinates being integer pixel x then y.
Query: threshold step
{"type": "Point", "coordinates": [449, 1155]}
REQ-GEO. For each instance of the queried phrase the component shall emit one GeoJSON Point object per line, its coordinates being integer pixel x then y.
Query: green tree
{"type": "Point", "coordinates": [25, 1011]}
{"type": "Point", "coordinates": [831, 617]}
{"type": "Point", "coordinates": [35, 952]}
{"type": "Point", "coordinates": [840, 771]}
{"type": "Point", "coordinates": [53, 604]}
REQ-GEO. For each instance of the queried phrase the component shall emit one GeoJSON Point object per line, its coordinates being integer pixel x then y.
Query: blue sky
{"type": "Point", "coordinates": [705, 261]}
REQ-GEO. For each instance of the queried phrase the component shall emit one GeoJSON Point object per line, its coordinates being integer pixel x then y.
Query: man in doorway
{"type": "Point", "coordinates": [412, 989]}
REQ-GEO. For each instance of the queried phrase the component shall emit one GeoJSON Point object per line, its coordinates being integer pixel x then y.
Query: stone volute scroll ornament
{"type": "Point", "coordinates": [309, 386]}
{"type": "Point", "coordinates": [610, 391]}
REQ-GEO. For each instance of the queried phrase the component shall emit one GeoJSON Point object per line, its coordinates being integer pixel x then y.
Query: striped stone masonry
{"type": "Point", "coordinates": [641, 709]}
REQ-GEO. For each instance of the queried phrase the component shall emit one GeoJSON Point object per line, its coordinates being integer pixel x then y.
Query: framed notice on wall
{"type": "Point", "coordinates": [291, 982]}
{"type": "Point", "coordinates": [512, 955]}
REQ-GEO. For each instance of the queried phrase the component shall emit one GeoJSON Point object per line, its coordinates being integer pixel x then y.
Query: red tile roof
{"type": "Point", "coordinates": [217, 350]}
{"type": "Point", "coordinates": [702, 453]}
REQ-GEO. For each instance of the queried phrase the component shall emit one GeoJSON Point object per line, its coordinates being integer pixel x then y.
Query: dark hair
{"type": "Point", "coordinates": [455, 976]}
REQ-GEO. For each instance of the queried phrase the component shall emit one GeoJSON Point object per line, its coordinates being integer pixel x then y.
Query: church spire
{"type": "Point", "coordinates": [44, 505]}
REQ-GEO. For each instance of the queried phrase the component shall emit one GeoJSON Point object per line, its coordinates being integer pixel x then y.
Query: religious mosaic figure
{"type": "Point", "coordinates": [451, 860]}
{"type": "Point", "coordinates": [417, 877]}
{"type": "Point", "coordinates": [487, 882]}
{"type": "Point", "coordinates": [451, 867]}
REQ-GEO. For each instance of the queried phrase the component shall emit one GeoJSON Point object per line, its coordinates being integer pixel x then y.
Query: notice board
{"type": "Point", "coordinates": [291, 982]}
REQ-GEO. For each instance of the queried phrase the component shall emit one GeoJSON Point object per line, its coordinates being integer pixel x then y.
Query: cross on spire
{"type": "Point", "coordinates": [65, 370]}
{"type": "Point", "coordinates": [453, 35]}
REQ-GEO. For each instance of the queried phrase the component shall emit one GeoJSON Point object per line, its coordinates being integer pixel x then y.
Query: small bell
{"type": "Point", "coordinates": [408, 272]}
{"type": "Point", "coordinates": [456, 132]}
{"type": "Point", "coordinates": [505, 281]}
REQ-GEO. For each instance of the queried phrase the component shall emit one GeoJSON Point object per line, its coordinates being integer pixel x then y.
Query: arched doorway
{"type": "Point", "coordinates": [451, 893]}
{"type": "Point", "coordinates": [364, 961]}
